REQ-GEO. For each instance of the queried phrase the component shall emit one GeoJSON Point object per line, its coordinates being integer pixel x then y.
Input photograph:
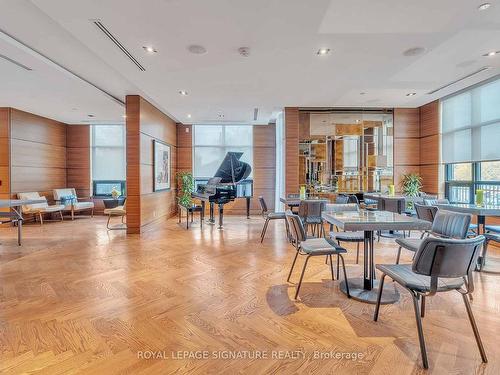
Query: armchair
{"type": "Point", "coordinates": [39, 209]}
{"type": "Point", "coordinates": [67, 197]}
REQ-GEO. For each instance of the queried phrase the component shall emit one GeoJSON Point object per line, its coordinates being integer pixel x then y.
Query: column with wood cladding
{"type": "Point", "coordinates": [4, 153]}
{"type": "Point", "coordinates": [291, 120]}
{"type": "Point", "coordinates": [406, 143]}
{"type": "Point", "coordinates": [78, 159]}
{"type": "Point", "coordinates": [430, 147]}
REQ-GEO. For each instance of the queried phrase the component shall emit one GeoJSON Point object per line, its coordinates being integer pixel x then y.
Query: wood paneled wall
{"type": "Point", "coordinates": [184, 148]}
{"type": "Point", "coordinates": [78, 159]}
{"type": "Point", "coordinates": [146, 123]}
{"type": "Point", "coordinates": [38, 153]}
{"type": "Point", "coordinates": [430, 147]}
{"type": "Point", "coordinates": [406, 143]}
{"type": "Point", "coordinates": [291, 120]}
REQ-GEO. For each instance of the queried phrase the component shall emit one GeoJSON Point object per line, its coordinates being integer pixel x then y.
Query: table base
{"type": "Point", "coordinates": [357, 292]}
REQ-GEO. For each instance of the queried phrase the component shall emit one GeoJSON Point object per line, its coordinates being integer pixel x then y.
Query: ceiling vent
{"type": "Point", "coordinates": [483, 69]}
{"type": "Point", "coordinates": [255, 114]}
{"type": "Point", "coordinates": [17, 63]}
{"type": "Point", "coordinates": [111, 37]}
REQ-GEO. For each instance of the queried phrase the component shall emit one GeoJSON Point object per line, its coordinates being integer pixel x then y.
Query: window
{"type": "Point", "coordinates": [212, 142]}
{"type": "Point", "coordinates": [108, 159]}
{"type": "Point", "coordinates": [470, 122]}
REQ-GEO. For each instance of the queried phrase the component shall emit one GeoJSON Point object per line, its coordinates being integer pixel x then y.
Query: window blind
{"type": "Point", "coordinates": [470, 124]}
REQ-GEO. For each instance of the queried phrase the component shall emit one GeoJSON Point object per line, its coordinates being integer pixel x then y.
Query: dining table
{"type": "Point", "coordinates": [15, 213]}
{"type": "Point", "coordinates": [365, 289]}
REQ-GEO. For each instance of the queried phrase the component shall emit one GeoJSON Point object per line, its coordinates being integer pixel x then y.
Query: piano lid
{"type": "Point", "coordinates": [232, 169]}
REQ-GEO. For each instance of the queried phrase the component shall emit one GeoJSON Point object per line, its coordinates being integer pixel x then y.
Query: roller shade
{"type": "Point", "coordinates": [470, 124]}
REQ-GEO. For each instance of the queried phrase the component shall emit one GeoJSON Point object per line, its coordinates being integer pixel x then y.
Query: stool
{"type": "Point", "coordinates": [190, 211]}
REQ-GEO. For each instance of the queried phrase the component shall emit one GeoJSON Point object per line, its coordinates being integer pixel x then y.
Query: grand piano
{"type": "Point", "coordinates": [229, 183]}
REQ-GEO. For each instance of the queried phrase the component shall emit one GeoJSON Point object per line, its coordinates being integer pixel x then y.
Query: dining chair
{"type": "Point", "coordinates": [446, 224]}
{"type": "Point", "coordinates": [342, 236]}
{"type": "Point", "coordinates": [268, 216]}
{"type": "Point", "coordinates": [435, 201]}
{"type": "Point", "coordinates": [427, 213]}
{"type": "Point", "coordinates": [489, 237]}
{"type": "Point", "coordinates": [310, 212]}
{"type": "Point", "coordinates": [341, 199]}
{"type": "Point", "coordinates": [440, 265]}
{"type": "Point", "coordinates": [311, 247]}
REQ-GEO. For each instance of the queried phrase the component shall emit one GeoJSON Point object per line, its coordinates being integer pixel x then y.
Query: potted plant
{"type": "Point", "coordinates": [411, 185]}
{"type": "Point", "coordinates": [185, 181]}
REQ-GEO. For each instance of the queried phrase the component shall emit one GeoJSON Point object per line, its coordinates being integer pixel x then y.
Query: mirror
{"type": "Point", "coordinates": [347, 151]}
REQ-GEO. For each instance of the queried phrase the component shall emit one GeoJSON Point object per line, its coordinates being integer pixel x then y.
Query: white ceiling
{"type": "Point", "coordinates": [367, 39]}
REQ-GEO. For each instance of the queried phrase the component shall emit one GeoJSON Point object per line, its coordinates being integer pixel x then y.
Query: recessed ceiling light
{"type": "Point", "coordinates": [415, 51]}
{"type": "Point", "coordinates": [220, 115]}
{"type": "Point", "coordinates": [492, 53]}
{"type": "Point", "coordinates": [189, 115]}
{"type": "Point", "coordinates": [197, 49]}
{"type": "Point", "coordinates": [357, 121]}
{"type": "Point", "coordinates": [323, 51]}
{"type": "Point", "coordinates": [90, 115]}
{"type": "Point", "coordinates": [411, 94]}
{"type": "Point", "coordinates": [362, 93]}
{"type": "Point", "coordinates": [484, 6]}
{"type": "Point", "coordinates": [149, 49]}
{"type": "Point", "coordinates": [183, 92]}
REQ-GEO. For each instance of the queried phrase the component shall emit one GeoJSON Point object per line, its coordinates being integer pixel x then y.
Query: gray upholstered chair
{"type": "Point", "coordinates": [268, 216]}
{"type": "Point", "coordinates": [427, 213]}
{"type": "Point", "coordinates": [341, 199]}
{"type": "Point", "coordinates": [310, 212]}
{"type": "Point", "coordinates": [446, 224]}
{"type": "Point", "coordinates": [490, 237]}
{"type": "Point", "coordinates": [435, 201]}
{"type": "Point", "coordinates": [311, 247]}
{"type": "Point", "coordinates": [339, 236]}
{"type": "Point", "coordinates": [396, 205]}
{"type": "Point", "coordinates": [440, 265]}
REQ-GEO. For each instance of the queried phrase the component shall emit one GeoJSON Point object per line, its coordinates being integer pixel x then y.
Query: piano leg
{"type": "Point", "coordinates": [211, 220]}
{"type": "Point", "coordinates": [221, 215]}
{"type": "Point", "coordinates": [202, 213]}
{"type": "Point", "coordinates": [248, 207]}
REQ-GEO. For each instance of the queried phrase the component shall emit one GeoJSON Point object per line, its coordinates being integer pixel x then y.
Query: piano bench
{"type": "Point", "coordinates": [190, 211]}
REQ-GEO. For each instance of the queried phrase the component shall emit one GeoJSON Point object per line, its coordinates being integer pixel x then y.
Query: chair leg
{"type": "Point", "coordinates": [331, 265]}
{"type": "Point", "coordinates": [287, 230]}
{"type": "Point", "coordinates": [301, 277]}
{"type": "Point", "coordinates": [421, 339]}
{"type": "Point", "coordinates": [474, 328]}
{"type": "Point", "coordinates": [72, 214]}
{"type": "Point", "coordinates": [357, 253]}
{"type": "Point", "coordinates": [398, 256]}
{"type": "Point", "coordinates": [41, 218]}
{"type": "Point", "coordinates": [483, 256]}
{"type": "Point", "coordinates": [264, 229]}
{"type": "Point", "coordinates": [345, 276]}
{"type": "Point", "coordinates": [422, 307]}
{"type": "Point", "coordinates": [338, 267]}
{"type": "Point", "coordinates": [293, 265]}
{"type": "Point", "coordinates": [379, 297]}
{"type": "Point", "coordinates": [107, 224]}
{"type": "Point", "coordinates": [62, 217]}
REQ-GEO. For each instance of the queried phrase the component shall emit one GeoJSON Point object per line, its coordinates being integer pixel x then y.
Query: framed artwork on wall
{"type": "Point", "coordinates": [161, 166]}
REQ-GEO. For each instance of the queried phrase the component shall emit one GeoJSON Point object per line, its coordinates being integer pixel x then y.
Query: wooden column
{"type": "Point", "coordinates": [5, 153]}
{"type": "Point", "coordinates": [291, 120]}
{"type": "Point", "coordinates": [430, 147]}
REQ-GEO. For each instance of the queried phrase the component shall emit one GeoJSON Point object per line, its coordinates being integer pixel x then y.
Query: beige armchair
{"type": "Point", "coordinates": [75, 205]}
{"type": "Point", "coordinates": [39, 209]}
{"type": "Point", "coordinates": [116, 211]}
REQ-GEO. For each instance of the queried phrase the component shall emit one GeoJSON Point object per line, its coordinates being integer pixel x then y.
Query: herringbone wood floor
{"type": "Point", "coordinates": [78, 299]}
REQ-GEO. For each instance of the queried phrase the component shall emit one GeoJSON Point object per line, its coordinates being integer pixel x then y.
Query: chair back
{"type": "Point", "coordinates": [337, 207]}
{"type": "Point", "coordinates": [451, 224]}
{"type": "Point", "coordinates": [342, 199]}
{"type": "Point", "coordinates": [353, 199]}
{"type": "Point", "coordinates": [263, 205]}
{"type": "Point", "coordinates": [446, 257]}
{"type": "Point", "coordinates": [311, 207]}
{"type": "Point", "coordinates": [35, 196]}
{"type": "Point", "coordinates": [396, 205]}
{"type": "Point", "coordinates": [59, 193]}
{"type": "Point", "coordinates": [297, 230]}
{"type": "Point", "coordinates": [293, 195]}
{"type": "Point", "coordinates": [426, 213]}
{"type": "Point", "coordinates": [433, 202]}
